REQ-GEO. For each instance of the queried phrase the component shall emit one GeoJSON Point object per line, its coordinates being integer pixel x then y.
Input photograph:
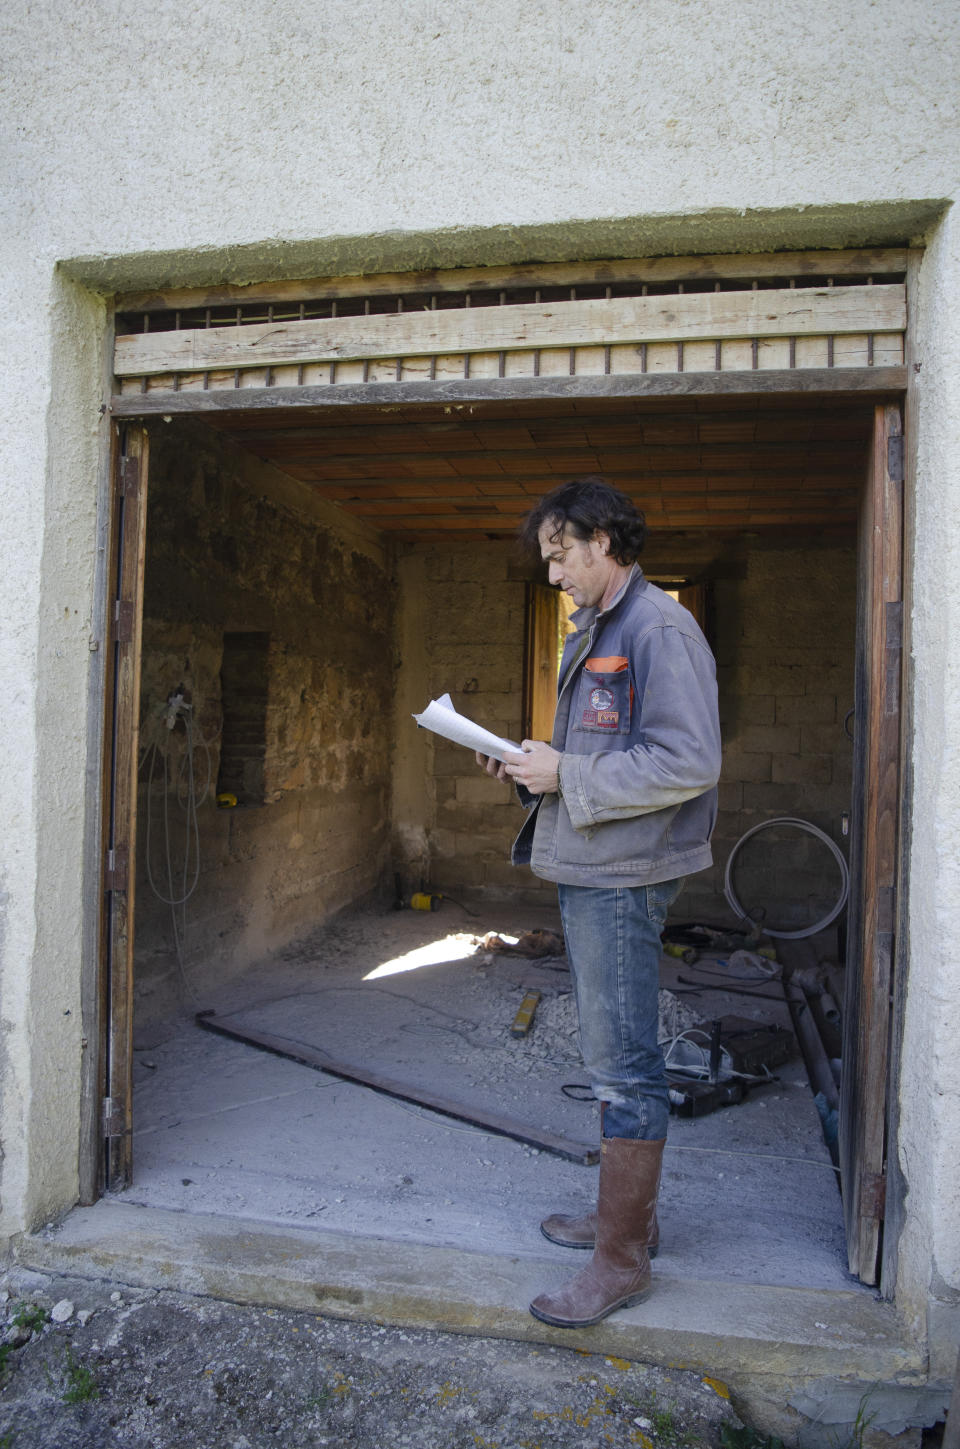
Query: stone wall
{"type": "Point", "coordinates": [230, 555]}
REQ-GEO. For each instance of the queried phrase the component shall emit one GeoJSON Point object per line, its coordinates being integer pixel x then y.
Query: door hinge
{"type": "Point", "coordinates": [873, 1194]}
{"type": "Point", "coordinates": [895, 457]}
{"type": "Point", "coordinates": [113, 1118]}
{"type": "Point", "coordinates": [117, 874]}
{"type": "Point", "coordinates": [129, 477]}
{"type": "Point", "coordinates": [122, 621]}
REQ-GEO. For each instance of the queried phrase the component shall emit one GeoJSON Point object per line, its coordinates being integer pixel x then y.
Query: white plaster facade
{"type": "Point", "coordinates": [247, 141]}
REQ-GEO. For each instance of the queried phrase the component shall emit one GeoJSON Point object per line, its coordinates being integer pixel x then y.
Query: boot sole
{"type": "Point", "coordinates": [565, 1243]}
{"type": "Point", "coordinates": [628, 1302]}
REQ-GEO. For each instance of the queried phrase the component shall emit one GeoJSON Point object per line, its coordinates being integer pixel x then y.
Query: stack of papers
{"type": "Point", "coordinates": [441, 717]}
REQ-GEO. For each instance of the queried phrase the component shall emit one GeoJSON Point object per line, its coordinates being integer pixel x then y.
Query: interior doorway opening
{"type": "Point", "coordinates": [290, 536]}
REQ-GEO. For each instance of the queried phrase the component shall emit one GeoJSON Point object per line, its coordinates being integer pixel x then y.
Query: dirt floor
{"type": "Point", "coordinates": [95, 1365]}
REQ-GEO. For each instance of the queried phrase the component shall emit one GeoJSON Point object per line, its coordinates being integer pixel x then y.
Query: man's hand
{"type": "Point", "coordinates": [493, 766]}
{"type": "Point", "coordinates": [537, 768]}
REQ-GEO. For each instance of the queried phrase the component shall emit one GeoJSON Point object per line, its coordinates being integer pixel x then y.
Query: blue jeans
{"type": "Point", "coordinates": [613, 945]}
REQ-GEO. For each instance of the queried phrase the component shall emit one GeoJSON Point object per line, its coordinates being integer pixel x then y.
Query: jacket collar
{"type": "Point", "coordinates": [583, 618]}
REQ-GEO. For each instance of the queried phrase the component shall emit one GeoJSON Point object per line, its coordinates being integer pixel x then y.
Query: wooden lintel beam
{"type": "Point", "coordinates": [599, 322]}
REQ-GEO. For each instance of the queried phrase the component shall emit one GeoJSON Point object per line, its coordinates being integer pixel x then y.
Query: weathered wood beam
{"type": "Point", "coordinates": [877, 381]}
{"type": "Point", "coordinates": [779, 312]}
{"type": "Point", "coordinates": [879, 261]}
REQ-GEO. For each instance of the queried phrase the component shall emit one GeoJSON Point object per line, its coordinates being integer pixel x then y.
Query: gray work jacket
{"type": "Point", "coordinates": [637, 726]}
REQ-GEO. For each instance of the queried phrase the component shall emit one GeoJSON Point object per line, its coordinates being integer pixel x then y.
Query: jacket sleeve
{"type": "Point", "coordinates": [677, 755]}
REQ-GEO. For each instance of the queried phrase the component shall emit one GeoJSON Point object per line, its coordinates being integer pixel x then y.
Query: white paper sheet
{"type": "Point", "coordinates": [441, 717]}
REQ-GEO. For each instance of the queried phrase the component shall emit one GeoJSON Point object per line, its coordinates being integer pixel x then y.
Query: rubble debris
{"type": "Point", "coordinates": [529, 943]}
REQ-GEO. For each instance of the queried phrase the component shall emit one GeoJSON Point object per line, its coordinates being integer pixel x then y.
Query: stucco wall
{"type": "Point", "coordinates": [261, 140]}
{"type": "Point", "coordinates": [929, 1138]}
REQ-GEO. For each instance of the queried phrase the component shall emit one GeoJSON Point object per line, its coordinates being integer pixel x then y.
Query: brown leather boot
{"type": "Point", "coordinates": [570, 1231]}
{"type": "Point", "coordinates": [581, 1232]}
{"type": "Point", "coordinates": [618, 1274]}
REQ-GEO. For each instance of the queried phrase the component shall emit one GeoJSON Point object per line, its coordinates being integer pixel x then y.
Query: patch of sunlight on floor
{"type": "Point", "coordinates": [451, 948]}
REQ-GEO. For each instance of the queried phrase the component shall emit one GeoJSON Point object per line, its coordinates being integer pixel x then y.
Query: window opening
{"type": "Point", "coordinates": [244, 690]}
{"type": "Point", "coordinates": [548, 624]}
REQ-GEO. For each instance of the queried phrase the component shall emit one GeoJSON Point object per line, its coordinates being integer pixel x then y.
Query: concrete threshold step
{"type": "Point", "coordinates": [726, 1330]}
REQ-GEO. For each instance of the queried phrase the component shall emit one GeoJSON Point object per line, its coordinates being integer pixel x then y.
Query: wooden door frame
{"type": "Point", "coordinates": [872, 916]}
{"type": "Point", "coordinates": [107, 1112]}
{"type": "Point", "coordinates": [884, 385]}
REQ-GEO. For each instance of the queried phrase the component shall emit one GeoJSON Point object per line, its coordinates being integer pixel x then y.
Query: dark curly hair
{"type": "Point", "coordinates": [584, 506]}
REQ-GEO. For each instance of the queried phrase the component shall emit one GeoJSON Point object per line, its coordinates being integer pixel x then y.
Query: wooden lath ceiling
{"type": "Point", "coordinates": [466, 470]}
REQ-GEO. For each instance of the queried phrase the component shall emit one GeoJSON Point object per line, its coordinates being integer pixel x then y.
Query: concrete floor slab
{"type": "Point", "coordinates": [726, 1330]}
{"type": "Point", "coordinates": [748, 1194]}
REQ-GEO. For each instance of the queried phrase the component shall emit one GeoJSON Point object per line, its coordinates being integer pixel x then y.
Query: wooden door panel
{"type": "Point", "coordinates": [873, 861]}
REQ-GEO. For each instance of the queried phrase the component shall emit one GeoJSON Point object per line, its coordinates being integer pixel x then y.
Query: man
{"type": "Point", "coordinates": [623, 806]}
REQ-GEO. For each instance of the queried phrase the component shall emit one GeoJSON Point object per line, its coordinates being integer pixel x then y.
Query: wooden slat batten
{"type": "Point", "coordinates": [649, 271]}
{"type": "Point", "coordinates": [595, 323]}
{"type": "Point", "coordinates": [877, 381]}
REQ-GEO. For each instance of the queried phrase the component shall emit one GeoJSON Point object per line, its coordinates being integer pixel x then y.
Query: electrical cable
{"type": "Point", "coordinates": [810, 829]}
{"type": "Point", "coordinates": [764, 1156]}
{"type": "Point", "coordinates": [183, 786]}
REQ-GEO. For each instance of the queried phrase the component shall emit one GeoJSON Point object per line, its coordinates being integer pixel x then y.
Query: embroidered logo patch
{"type": "Point", "coordinates": [608, 718]}
{"type": "Point", "coordinates": [589, 717]}
{"type": "Point", "coordinates": [601, 698]}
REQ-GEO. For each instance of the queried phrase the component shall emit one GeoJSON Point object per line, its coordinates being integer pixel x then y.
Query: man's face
{"type": "Point", "coordinates": [583, 569]}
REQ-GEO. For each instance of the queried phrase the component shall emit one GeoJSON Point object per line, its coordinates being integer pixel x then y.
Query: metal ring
{"type": "Point", "coordinates": [837, 854]}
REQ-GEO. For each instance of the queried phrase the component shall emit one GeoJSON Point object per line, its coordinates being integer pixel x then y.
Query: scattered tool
{"type": "Point", "coordinates": [425, 901]}
{"type": "Point", "coordinates": [523, 1020]}
{"type": "Point", "coordinates": [718, 938]}
{"type": "Point", "coordinates": [718, 1062]}
{"type": "Point", "coordinates": [688, 954]}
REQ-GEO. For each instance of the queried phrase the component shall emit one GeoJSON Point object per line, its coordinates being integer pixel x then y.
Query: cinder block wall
{"type": "Point", "coordinates": [784, 637]}
{"type": "Point", "coordinates": [230, 550]}
{"type": "Point", "coordinates": [474, 618]}
{"type": "Point", "coordinates": [783, 631]}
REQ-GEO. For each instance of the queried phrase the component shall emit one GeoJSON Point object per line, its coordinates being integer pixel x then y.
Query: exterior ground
{"type": "Point", "coordinates": [97, 1365]}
